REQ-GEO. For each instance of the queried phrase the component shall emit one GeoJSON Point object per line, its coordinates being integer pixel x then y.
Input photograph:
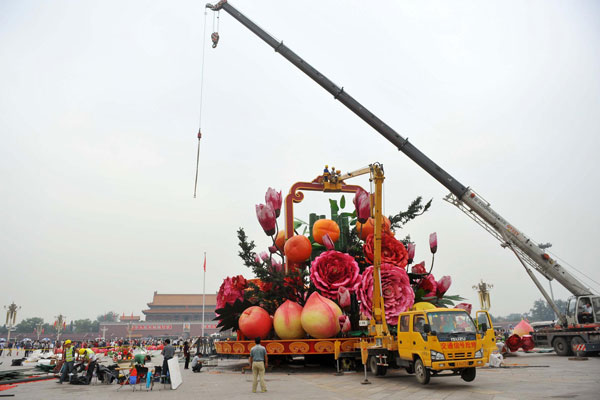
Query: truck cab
{"type": "Point", "coordinates": [583, 310]}
{"type": "Point", "coordinates": [441, 339]}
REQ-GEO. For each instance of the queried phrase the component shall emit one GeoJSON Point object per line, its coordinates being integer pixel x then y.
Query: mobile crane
{"type": "Point", "coordinates": [579, 329]}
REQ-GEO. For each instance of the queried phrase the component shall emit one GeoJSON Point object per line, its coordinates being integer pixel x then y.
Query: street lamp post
{"type": "Point", "coordinates": [104, 329]}
{"type": "Point", "coordinates": [484, 294]}
{"type": "Point", "coordinates": [59, 325]}
{"type": "Point", "coordinates": [39, 329]}
{"type": "Point", "coordinates": [129, 330]}
{"type": "Point", "coordinates": [11, 318]}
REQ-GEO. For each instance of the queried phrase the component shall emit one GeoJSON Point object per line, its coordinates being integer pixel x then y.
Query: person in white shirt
{"type": "Point", "coordinates": [196, 363]}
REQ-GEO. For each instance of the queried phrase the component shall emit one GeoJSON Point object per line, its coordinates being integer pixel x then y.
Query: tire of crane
{"type": "Point", "coordinates": [423, 375]}
{"type": "Point", "coordinates": [578, 340]}
{"type": "Point", "coordinates": [561, 346]}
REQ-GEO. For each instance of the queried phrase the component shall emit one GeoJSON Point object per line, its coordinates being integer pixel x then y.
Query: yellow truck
{"type": "Point", "coordinates": [431, 342]}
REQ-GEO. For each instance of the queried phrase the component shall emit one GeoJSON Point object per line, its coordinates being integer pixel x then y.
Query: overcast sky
{"type": "Point", "coordinates": [99, 110]}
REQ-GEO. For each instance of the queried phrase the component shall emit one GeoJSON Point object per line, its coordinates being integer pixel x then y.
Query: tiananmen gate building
{"type": "Point", "coordinates": [175, 315]}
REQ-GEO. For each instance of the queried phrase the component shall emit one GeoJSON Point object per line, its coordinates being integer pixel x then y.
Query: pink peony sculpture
{"type": "Point", "coordinates": [231, 290]}
{"type": "Point", "coordinates": [332, 270]}
{"type": "Point", "coordinates": [392, 250]}
{"type": "Point", "coordinates": [398, 296]}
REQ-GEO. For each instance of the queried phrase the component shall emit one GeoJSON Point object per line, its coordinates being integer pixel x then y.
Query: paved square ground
{"type": "Point", "coordinates": [531, 376]}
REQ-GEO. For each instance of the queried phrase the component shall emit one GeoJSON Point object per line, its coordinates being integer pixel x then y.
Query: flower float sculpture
{"type": "Point", "coordinates": [319, 281]}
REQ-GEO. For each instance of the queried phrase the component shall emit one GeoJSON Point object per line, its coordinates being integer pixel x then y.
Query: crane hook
{"type": "Point", "coordinates": [215, 39]}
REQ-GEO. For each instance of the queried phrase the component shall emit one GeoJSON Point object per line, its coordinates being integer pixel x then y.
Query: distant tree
{"type": "Point", "coordinates": [110, 316]}
{"type": "Point", "coordinates": [28, 325]}
{"type": "Point", "coordinates": [3, 329]}
{"type": "Point", "coordinates": [541, 310]}
{"type": "Point", "coordinates": [509, 318]}
{"type": "Point", "coordinates": [48, 328]}
{"type": "Point", "coordinates": [85, 326]}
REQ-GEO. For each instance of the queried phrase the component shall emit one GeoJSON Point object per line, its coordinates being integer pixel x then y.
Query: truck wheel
{"type": "Point", "coordinates": [578, 340]}
{"type": "Point", "coordinates": [410, 370]}
{"type": "Point", "coordinates": [468, 374]}
{"type": "Point", "coordinates": [423, 375]}
{"type": "Point", "coordinates": [377, 370]}
{"type": "Point", "coordinates": [561, 346]}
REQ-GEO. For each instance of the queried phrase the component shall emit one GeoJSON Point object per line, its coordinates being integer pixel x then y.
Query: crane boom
{"type": "Point", "coordinates": [463, 197]}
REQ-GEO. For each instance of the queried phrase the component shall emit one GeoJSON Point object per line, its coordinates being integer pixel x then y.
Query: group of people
{"type": "Point", "coordinates": [73, 353]}
{"type": "Point", "coordinates": [70, 355]}
{"type": "Point", "coordinates": [28, 346]}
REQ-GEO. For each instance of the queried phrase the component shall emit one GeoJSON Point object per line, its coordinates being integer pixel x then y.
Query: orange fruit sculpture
{"type": "Point", "coordinates": [364, 230]}
{"type": "Point", "coordinates": [324, 227]}
{"type": "Point", "coordinates": [297, 248]}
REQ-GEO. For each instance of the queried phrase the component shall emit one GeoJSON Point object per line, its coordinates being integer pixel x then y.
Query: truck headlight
{"type": "Point", "coordinates": [437, 356]}
{"type": "Point", "coordinates": [479, 353]}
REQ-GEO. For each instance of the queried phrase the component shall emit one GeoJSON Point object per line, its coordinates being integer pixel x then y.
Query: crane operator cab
{"type": "Point", "coordinates": [583, 310]}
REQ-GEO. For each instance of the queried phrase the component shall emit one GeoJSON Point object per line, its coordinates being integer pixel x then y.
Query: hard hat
{"type": "Point", "coordinates": [67, 342]}
{"type": "Point", "coordinates": [81, 351]}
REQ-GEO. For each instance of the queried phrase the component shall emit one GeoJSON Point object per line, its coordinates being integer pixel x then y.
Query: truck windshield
{"type": "Point", "coordinates": [451, 322]}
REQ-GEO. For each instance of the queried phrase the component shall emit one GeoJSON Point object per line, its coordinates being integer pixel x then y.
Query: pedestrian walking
{"type": "Point", "coordinates": [258, 361]}
{"type": "Point", "coordinates": [68, 356]}
{"type": "Point", "coordinates": [186, 354]}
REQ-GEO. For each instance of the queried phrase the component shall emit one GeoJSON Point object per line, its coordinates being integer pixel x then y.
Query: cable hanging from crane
{"type": "Point", "coordinates": [215, 35]}
{"type": "Point", "coordinates": [201, 98]}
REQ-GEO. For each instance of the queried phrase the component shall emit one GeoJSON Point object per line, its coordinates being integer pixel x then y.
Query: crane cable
{"type": "Point", "coordinates": [575, 269]}
{"type": "Point", "coordinates": [215, 35]}
{"type": "Point", "coordinates": [201, 97]}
